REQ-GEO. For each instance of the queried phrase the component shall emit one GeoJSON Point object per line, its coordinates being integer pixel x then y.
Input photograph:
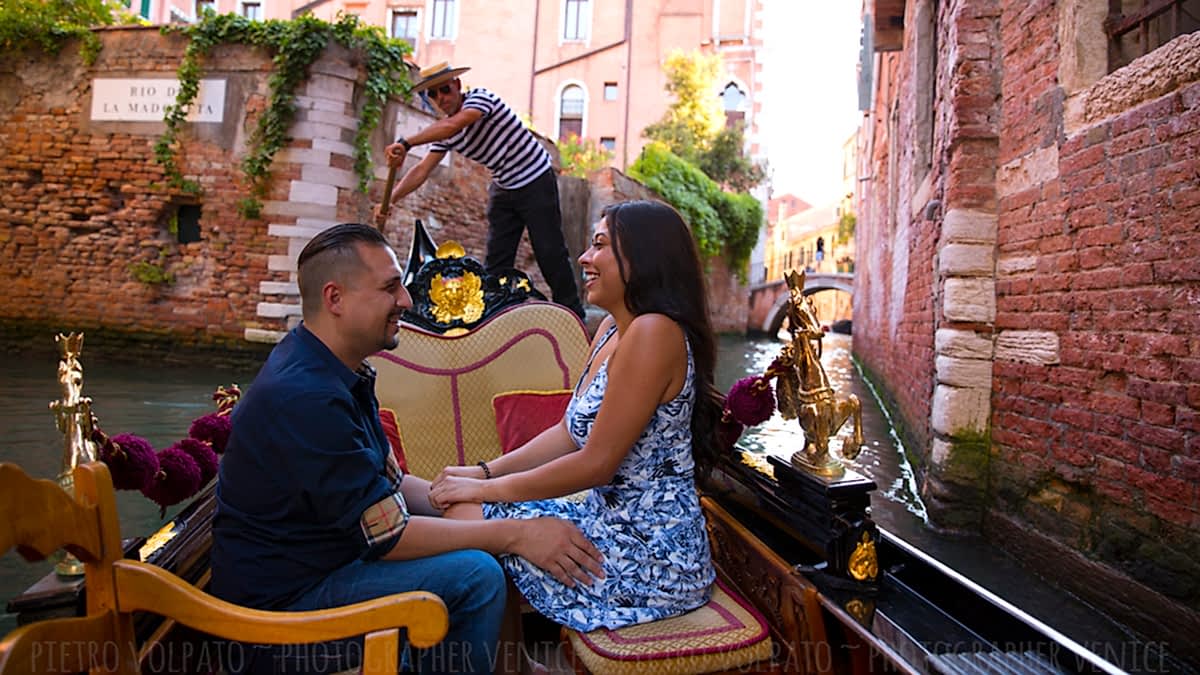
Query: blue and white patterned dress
{"type": "Point", "coordinates": [646, 522]}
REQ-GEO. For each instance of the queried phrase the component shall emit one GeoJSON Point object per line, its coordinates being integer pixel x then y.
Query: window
{"type": "Point", "coordinates": [570, 112]}
{"type": "Point", "coordinates": [141, 7]}
{"type": "Point", "coordinates": [733, 100]}
{"type": "Point", "coordinates": [608, 143]}
{"type": "Point", "coordinates": [205, 5]}
{"type": "Point", "coordinates": [441, 25]}
{"type": "Point", "coordinates": [405, 26]}
{"type": "Point", "coordinates": [575, 19]}
{"type": "Point", "coordinates": [610, 91]}
{"type": "Point", "coordinates": [252, 10]}
{"type": "Point", "coordinates": [1138, 27]}
{"type": "Point", "coordinates": [187, 223]}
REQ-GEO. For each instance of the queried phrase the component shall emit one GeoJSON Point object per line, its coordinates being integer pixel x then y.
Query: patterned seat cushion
{"type": "Point", "coordinates": [726, 633]}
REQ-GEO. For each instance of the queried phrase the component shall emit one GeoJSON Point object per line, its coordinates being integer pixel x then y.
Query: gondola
{"type": "Point", "coordinates": [792, 539]}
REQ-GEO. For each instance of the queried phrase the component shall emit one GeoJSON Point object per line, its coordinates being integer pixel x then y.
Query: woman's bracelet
{"type": "Point", "coordinates": [487, 473]}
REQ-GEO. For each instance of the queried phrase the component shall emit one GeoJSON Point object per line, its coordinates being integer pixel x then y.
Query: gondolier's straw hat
{"type": "Point", "coordinates": [437, 74]}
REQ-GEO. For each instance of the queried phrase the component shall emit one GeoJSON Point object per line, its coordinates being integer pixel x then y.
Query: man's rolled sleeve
{"type": "Point", "coordinates": [382, 523]}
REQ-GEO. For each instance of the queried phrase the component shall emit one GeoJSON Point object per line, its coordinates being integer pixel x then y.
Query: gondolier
{"type": "Point", "coordinates": [524, 189]}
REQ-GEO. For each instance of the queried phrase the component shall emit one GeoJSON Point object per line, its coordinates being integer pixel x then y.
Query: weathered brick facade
{"type": "Point", "coordinates": [1028, 294]}
{"type": "Point", "coordinates": [83, 199]}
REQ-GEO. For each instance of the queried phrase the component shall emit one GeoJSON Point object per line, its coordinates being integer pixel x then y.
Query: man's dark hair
{"type": "Point", "coordinates": [660, 265]}
{"type": "Point", "coordinates": [332, 256]}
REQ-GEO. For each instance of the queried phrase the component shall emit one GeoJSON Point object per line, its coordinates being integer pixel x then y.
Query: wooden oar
{"type": "Point", "coordinates": [387, 197]}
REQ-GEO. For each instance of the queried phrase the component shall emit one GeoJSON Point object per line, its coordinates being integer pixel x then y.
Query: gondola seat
{"type": "Point", "coordinates": [38, 517]}
{"type": "Point", "coordinates": [725, 635]}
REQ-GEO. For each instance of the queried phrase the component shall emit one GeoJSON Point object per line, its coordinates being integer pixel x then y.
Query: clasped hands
{"type": "Point", "coordinates": [457, 484]}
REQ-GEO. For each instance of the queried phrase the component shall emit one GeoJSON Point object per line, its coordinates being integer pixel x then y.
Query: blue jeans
{"type": "Point", "coordinates": [470, 582]}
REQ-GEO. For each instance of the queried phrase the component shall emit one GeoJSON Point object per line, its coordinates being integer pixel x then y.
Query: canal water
{"type": "Point", "coordinates": [159, 401]}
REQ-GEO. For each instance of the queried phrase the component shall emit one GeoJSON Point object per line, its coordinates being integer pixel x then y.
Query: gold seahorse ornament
{"type": "Point", "coordinates": [863, 564]}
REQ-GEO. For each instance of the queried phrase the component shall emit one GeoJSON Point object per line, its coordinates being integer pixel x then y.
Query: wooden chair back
{"type": "Point", "coordinates": [38, 517]}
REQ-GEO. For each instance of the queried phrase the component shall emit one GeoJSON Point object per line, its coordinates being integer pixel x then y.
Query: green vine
{"type": "Point", "coordinates": [48, 24]}
{"type": "Point", "coordinates": [152, 273]}
{"type": "Point", "coordinates": [296, 44]}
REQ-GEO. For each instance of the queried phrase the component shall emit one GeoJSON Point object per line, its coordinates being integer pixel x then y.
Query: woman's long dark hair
{"type": "Point", "coordinates": [661, 268]}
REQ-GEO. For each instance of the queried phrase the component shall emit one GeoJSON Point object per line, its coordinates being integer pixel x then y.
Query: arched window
{"type": "Point", "coordinates": [570, 112]}
{"type": "Point", "coordinates": [733, 100]}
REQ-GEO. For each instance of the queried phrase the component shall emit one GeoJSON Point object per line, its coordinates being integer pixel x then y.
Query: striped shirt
{"type": "Point", "coordinates": [499, 141]}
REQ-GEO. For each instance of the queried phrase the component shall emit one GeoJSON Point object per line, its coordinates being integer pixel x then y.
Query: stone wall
{"type": "Point", "coordinates": [1046, 252]}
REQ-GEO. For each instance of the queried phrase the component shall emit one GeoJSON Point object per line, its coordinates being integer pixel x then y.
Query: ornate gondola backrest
{"type": "Point", "coordinates": [441, 387]}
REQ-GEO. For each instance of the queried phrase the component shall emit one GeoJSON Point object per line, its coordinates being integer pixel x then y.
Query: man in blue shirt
{"type": "Point", "coordinates": [312, 510]}
{"type": "Point", "coordinates": [523, 194]}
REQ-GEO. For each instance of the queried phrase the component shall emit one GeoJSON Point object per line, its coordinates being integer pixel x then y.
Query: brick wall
{"type": "Point", "coordinates": [83, 199]}
{"type": "Point", "coordinates": [1030, 305]}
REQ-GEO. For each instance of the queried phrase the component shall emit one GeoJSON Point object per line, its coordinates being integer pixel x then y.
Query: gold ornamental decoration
{"type": "Point", "coordinates": [804, 392]}
{"type": "Point", "coordinates": [864, 564]}
{"type": "Point", "coordinates": [456, 298]}
{"type": "Point", "coordinates": [73, 415]}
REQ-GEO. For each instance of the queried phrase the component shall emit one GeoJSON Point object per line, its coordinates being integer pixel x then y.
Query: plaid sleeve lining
{"type": "Point", "coordinates": [385, 520]}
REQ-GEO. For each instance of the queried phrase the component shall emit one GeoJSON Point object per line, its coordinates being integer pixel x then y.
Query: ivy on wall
{"type": "Point", "coordinates": [296, 44]}
{"type": "Point", "coordinates": [49, 24]}
{"type": "Point", "coordinates": [722, 222]}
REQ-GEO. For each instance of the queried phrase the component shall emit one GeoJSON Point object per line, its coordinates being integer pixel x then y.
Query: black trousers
{"type": "Point", "coordinates": [534, 206]}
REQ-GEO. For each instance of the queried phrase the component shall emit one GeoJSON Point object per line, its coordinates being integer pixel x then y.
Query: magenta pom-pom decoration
{"type": "Point", "coordinates": [213, 429]}
{"type": "Point", "coordinates": [131, 461]}
{"type": "Point", "coordinates": [751, 400]}
{"type": "Point", "coordinates": [177, 479]}
{"type": "Point", "coordinates": [205, 458]}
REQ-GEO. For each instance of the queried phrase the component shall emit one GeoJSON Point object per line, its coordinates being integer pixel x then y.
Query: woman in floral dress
{"type": "Point", "coordinates": [639, 427]}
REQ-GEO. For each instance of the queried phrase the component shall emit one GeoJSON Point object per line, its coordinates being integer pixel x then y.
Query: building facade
{"type": "Point", "coordinates": [592, 68]}
{"type": "Point", "coordinates": [1027, 235]}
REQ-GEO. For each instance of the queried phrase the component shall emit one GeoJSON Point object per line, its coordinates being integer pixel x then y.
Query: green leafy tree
{"type": "Point", "coordinates": [695, 117]}
{"type": "Point", "coordinates": [48, 24]}
{"type": "Point", "coordinates": [693, 127]}
{"type": "Point", "coordinates": [721, 222]}
{"type": "Point", "coordinates": [726, 162]}
{"type": "Point", "coordinates": [581, 156]}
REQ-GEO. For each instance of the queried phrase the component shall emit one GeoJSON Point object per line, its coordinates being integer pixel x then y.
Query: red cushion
{"type": "Point", "coordinates": [521, 415]}
{"type": "Point", "coordinates": [387, 417]}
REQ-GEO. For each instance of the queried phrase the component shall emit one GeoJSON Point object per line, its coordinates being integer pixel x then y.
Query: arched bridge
{"type": "Point", "coordinates": [768, 301]}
